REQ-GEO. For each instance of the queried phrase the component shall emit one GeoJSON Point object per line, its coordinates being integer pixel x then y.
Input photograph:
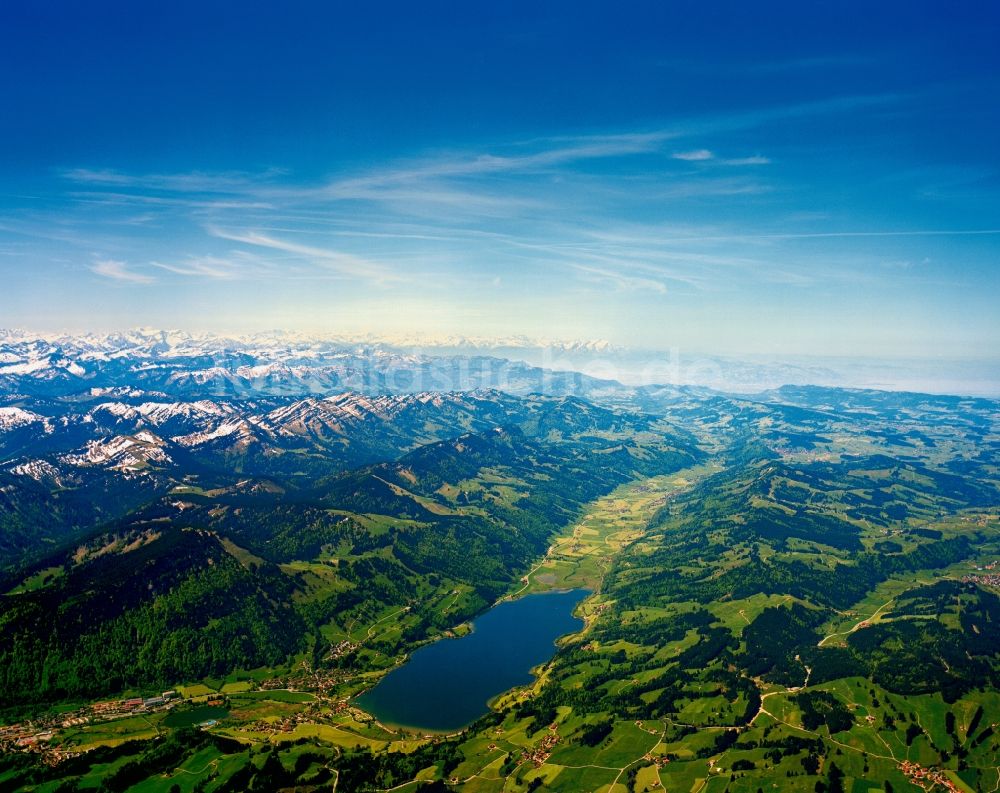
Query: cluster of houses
{"type": "Point", "coordinates": [987, 575]}
{"type": "Point", "coordinates": [341, 649]}
{"type": "Point", "coordinates": [659, 760]}
{"type": "Point", "coordinates": [38, 734]}
{"type": "Point", "coordinates": [126, 707]}
{"type": "Point", "coordinates": [345, 707]}
{"type": "Point", "coordinates": [988, 579]}
{"type": "Point", "coordinates": [928, 778]}
{"type": "Point", "coordinates": [539, 754]}
{"type": "Point", "coordinates": [274, 727]}
{"type": "Point", "coordinates": [22, 737]}
{"type": "Point", "coordinates": [319, 681]}
{"type": "Point", "coordinates": [980, 520]}
{"type": "Point", "coordinates": [314, 713]}
{"type": "Point", "coordinates": [30, 738]}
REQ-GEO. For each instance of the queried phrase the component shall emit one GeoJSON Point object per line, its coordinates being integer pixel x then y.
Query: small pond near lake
{"type": "Point", "coordinates": [446, 685]}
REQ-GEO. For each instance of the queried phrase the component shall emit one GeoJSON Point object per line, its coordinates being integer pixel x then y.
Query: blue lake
{"type": "Point", "coordinates": [447, 685]}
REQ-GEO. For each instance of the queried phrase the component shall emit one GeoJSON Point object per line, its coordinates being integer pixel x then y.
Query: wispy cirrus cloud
{"type": "Point", "coordinates": [189, 201]}
{"type": "Point", "coordinates": [473, 185]}
{"type": "Point", "coordinates": [432, 197]}
{"type": "Point", "coordinates": [191, 181]}
{"type": "Point", "coordinates": [706, 155]}
{"type": "Point", "coordinates": [708, 188]}
{"type": "Point", "coordinates": [754, 160]}
{"type": "Point", "coordinates": [101, 176]}
{"type": "Point", "coordinates": [212, 267]}
{"type": "Point", "coordinates": [695, 155]}
{"type": "Point", "coordinates": [515, 207]}
{"type": "Point", "coordinates": [567, 150]}
{"type": "Point", "coordinates": [433, 177]}
{"type": "Point", "coordinates": [621, 279]}
{"type": "Point", "coordinates": [120, 271]}
{"type": "Point", "coordinates": [666, 239]}
{"type": "Point", "coordinates": [634, 259]}
{"type": "Point", "coordinates": [345, 264]}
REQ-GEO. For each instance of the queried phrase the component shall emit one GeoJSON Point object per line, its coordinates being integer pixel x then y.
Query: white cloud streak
{"type": "Point", "coordinates": [583, 148]}
{"type": "Point", "coordinates": [190, 182]}
{"type": "Point", "coordinates": [211, 267]}
{"type": "Point", "coordinates": [697, 155]}
{"type": "Point", "coordinates": [471, 210]}
{"type": "Point", "coordinates": [345, 264]}
{"type": "Point", "coordinates": [119, 271]}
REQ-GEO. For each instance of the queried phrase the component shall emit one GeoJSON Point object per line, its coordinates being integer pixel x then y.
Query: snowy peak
{"type": "Point", "coordinates": [123, 452]}
{"type": "Point", "coordinates": [38, 359]}
{"type": "Point", "coordinates": [238, 432]}
{"type": "Point", "coordinates": [39, 470]}
{"type": "Point", "coordinates": [349, 409]}
{"type": "Point", "coordinates": [159, 413]}
{"type": "Point", "coordinates": [12, 418]}
{"type": "Point", "coordinates": [191, 366]}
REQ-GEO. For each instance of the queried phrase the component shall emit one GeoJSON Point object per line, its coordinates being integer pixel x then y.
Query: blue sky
{"type": "Point", "coordinates": [785, 178]}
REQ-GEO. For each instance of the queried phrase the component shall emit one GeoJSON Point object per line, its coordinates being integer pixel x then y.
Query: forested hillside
{"type": "Point", "coordinates": [794, 587]}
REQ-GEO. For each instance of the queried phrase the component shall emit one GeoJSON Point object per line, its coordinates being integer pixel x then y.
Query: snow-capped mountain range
{"type": "Point", "coordinates": [145, 436]}
{"type": "Point", "coordinates": [73, 461]}
{"type": "Point", "coordinates": [272, 346]}
{"type": "Point", "coordinates": [191, 366]}
{"type": "Point", "coordinates": [138, 414]}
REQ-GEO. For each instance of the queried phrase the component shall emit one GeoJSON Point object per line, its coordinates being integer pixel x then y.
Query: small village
{"type": "Point", "coordinates": [315, 713]}
{"type": "Point", "coordinates": [320, 681]}
{"type": "Point", "coordinates": [928, 778]}
{"type": "Point", "coordinates": [285, 725]}
{"type": "Point", "coordinates": [990, 579]}
{"type": "Point", "coordinates": [987, 575]}
{"type": "Point", "coordinates": [539, 754]}
{"type": "Point", "coordinates": [38, 734]}
{"type": "Point", "coordinates": [341, 649]}
{"type": "Point", "coordinates": [659, 760]}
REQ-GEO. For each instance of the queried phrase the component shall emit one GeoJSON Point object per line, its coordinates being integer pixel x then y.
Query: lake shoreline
{"type": "Point", "coordinates": [449, 685]}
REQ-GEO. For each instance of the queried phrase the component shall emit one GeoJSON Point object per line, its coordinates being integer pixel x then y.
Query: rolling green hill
{"type": "Point", "coordinates": [809, 602]}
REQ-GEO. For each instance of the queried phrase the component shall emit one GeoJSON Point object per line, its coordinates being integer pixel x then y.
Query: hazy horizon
{"type": "Point", "coordinates": [962, 376]}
